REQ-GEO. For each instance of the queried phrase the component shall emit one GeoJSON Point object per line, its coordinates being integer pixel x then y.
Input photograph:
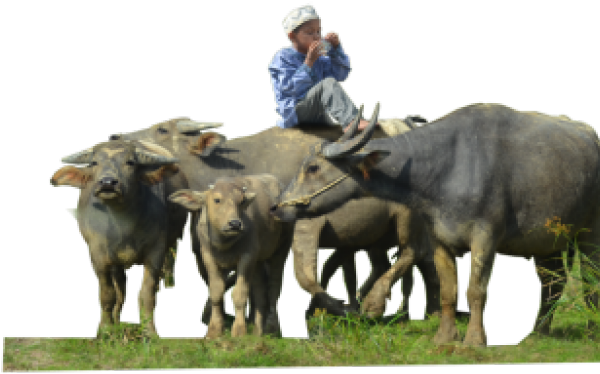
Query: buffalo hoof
{"type": "Point", "coordinates": [104, 331]}
{"type": "Point", "coordinates": [150, 330]}
{"type": "Point", "coordinates": [238, 329]}
{"type": "Point", "coordinates": [475, 338]}
{"type": "Point", "coordinates": [272, 326]}
{"type": "Point", "coordinates": [436, 314]}
{"type": "Point", "coordinates": [372, 306]}
{"type": "Point", "coordinates": [332, 306]}
{"type": "Point", "coordinates": [105, 320]}
{"type": "Point", "coordinates": [214, 331]}
{"type": "Point", "coordinates": [543, 329]}
{"type": "Point", "coordinates": [446, 333]}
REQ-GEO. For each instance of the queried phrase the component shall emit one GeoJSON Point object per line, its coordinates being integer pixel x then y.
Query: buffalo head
{"type": "Point", "coordinates": [178, 134]}
{"type": "Point", "coordinates": [330, 174]}
{"type": "Point", "coordinates": [113, 168]}
{"type": "Point", "coordinates": [224, 203]}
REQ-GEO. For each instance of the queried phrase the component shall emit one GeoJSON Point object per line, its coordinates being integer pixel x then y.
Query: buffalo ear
{"type": "Point", "coordinates": [206, 144]}
{"type": "Point", "coordinates": [191, 200]}
{"type": "Point", "coordinates": [71, 176]}
{"type": "Point", "coordinates": [366, 160]}
{"type": "Point", "coordinates": [153, 177]}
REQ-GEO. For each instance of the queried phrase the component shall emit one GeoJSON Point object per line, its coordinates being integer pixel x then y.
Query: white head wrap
{"type": "Point", "coordinates": [298, 16]}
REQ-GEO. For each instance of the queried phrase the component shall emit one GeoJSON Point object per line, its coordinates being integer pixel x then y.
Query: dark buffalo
{"type": "Point", "coordinates": [121, 217]}
{"type": "Point", "coordinates": [276, 151]}
{"type": "Point", "coordinates": [486, 178]}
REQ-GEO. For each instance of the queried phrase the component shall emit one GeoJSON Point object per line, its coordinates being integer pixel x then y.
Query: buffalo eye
{"type": "Point", "coordinates": [312, 169]}
{"type": "Point", "coordinates": [217, 201]}
{"type": "Point", "coordinates": [93, 163]}
{"type": "Point", "coordinates": [130, 162]}
{"type": "Point", "coordinates": [162, 130]}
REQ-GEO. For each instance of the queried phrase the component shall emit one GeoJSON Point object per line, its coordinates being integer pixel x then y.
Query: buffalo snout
{"type": "Point", "coordinates": [108, 182]}
{"type": "Point", "coordinates": [235, 224]}
{"type": "Point", "coordinates": [108, 188]}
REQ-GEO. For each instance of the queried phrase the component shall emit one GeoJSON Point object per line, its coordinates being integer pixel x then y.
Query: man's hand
{"type": "Point", "coordinates": [333, 38]}
{"type": "Point", "coordinates": [314, 52]}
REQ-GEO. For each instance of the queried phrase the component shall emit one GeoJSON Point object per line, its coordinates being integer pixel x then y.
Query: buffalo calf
{"type": "Point", "coordinates": [236, 231]}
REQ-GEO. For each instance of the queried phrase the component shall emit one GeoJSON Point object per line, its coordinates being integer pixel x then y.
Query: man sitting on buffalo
{"type": "Point", "coordinates": [305, 76]}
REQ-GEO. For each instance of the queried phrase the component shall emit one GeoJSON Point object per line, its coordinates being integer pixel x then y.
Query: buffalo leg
{"type": "Point", "coordinates": [260, 271]}
{"type": "Point", "coordinates": [258, 293]}
{"type": "Point", "coordinates": [306, 246]}
{"type": "Point", "coordinates": [277, 264]}
{"type": "Point", "coordinates": [345, 258]}
{"type": "Point", "coordinates": [168, 270]}
{"type": "Point", "coordinates": [216, 292]}
{"type": "Point", "coordinates": [147, 296]}
{"type": "Point", "coordinates": [374, 303]}
{"type": "Point", "coordinates": [196, 249]}
{"type": "Point", "coordinates": [482, 261]}
{"type": "Point", "coordinates": [380, 264]}
{"type": "Point", "coordinates": [408, 281]}
{"type": "Point", "coordinates": [445, 264]}
{"type": "Point", "coordinates": [432, 285]}
{"type": "Point", "coordinates": [120, 283]}
{"type": "Point", "coordinates": [108, 298]}
{"type": "Point", "coordinates": [245, 270]}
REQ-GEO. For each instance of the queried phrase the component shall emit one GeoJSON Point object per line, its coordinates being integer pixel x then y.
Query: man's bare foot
{"type": "Point", "coordinates": [361, 125]}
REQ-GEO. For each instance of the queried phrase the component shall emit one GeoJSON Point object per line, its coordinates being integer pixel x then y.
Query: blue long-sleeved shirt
{"type": "Point", "coordinates": [292, 78]}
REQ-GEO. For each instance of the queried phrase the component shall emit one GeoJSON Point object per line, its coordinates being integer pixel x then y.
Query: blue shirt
{"type": "Point", "coordinates": [292, 78]}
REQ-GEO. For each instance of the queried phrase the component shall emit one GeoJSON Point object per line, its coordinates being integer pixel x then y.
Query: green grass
{"type": "Point", "coordinates": [352, 341]}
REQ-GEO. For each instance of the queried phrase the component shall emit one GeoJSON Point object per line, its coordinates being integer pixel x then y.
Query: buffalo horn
{"type": "Point", "coordinates": [83, 157]}
{"type": "Point", "coordinates": [333, 150]}
{"type": "Point", "coordinates": [349, 134]}
{"type": "Point", "coordinates": [155, 148]}
{"type": "Point", "coordinates": [147, 158]}
{"type": "Point", "coordinates": [188, 126]}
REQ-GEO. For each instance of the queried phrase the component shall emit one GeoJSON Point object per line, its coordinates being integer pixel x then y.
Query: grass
{"type": "Point", "coordinates": [351, 341]}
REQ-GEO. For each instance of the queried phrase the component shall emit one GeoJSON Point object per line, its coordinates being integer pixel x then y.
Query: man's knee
{"type": "Point", "coordinates": [330, 82]}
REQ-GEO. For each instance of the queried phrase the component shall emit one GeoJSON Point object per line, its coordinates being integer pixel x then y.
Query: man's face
{"type": "Point", "coordinates": [308, 33]}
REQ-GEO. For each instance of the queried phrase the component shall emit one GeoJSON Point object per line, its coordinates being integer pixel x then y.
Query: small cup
{"type": "Point", "coordinates": [325, 47]}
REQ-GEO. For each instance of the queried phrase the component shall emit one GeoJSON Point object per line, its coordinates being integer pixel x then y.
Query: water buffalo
{"type": "Point", "coordinates": [274, 151]}
{"type": "Point", "coordinates": [484, 177]}
{"type": "Point", "coordinates": [236, 232]}
{"type": "Point", "coordinates": [121, 217]}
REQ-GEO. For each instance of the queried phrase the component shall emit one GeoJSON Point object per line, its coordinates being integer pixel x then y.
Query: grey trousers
{"type": "Point", "coordinates": [326, 102]}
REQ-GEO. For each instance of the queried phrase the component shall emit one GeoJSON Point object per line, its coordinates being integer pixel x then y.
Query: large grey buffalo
{"type": "Point", "coordinates": [484, 177]}
{"type": "Point", "coordinates": [278, 151]}
{"type": "Point", "coordinates": [121, 216]}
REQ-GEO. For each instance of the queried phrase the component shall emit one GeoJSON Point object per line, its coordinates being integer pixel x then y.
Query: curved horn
{"type": "Point", "coordinates": [349, 134]}
{"type": "Point", "coordinates": [147, 158]}
{"type": "Point", "coordinates": [155, 148]}
{"type": "Point", "coordinates": [83, 157]}
{"type": "Point", "coordinates": [333, 150]}
{"type": "Point", "coordinates": [188, 126]}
